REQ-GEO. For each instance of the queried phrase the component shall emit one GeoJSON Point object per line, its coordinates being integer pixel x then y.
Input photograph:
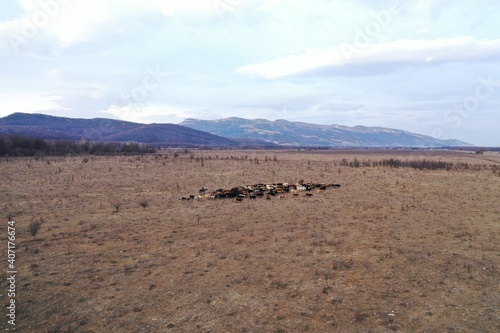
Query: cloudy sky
{"type": "Point", "coordinates": [427, 66]}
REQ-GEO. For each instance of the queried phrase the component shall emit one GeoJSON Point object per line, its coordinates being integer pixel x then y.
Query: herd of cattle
{"type": "Point", "coordinates": [267, 191]}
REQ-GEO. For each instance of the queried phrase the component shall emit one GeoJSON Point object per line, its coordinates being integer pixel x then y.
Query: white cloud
{"type": "Point", "coordinates": [29, 103]}
{"type": "Point", "coordinates": [293, 64]}
{"type": "Point", "coordinates": [423, 31]}
{"type": "Point", "coordinates": [144, 113]}
{"type": "Point", "coordinates": [58, 24]}
{"type": "Point", "coordinates": [395, 52]}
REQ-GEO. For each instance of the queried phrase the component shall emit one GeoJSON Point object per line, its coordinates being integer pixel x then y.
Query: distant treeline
{"type": "Point", "coordinates": [421, 164]}
{"type": "Point", "coordinates": [16, 145]}
{"type": "Point", "coordinates": [417, 164]}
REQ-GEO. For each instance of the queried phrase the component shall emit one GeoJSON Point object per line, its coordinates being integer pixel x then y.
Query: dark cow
{"type": "Point", "coordinates": [234, 192]}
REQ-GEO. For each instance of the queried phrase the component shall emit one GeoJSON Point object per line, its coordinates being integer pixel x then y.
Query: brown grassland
{"type": "Point", "coordinates": [392, 250]}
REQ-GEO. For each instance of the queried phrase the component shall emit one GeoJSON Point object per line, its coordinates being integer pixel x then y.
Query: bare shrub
{"type": "Point", "coordinates": [144, 203]}
{"type": "Point", "coordinates": [116, 203]}
{"type": "Point", "coordinates": [34, 226]}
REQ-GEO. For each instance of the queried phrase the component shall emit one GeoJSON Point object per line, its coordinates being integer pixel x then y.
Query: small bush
{"type": "Point", "coordinates": [144, 203]}
{"type": "Point", "coordinates": [116, 203]}
{"type": "Point", "coordinates": [34, 226]}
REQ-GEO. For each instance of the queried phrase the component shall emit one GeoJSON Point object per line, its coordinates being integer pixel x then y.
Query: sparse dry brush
{"type": "Point", "coordinates": [34, 226]}
{"type": "Point", "coordinates": [395, 249]}
{"type": "Point", "coordinates": [144, 203]}
{"type": "Point", "coordinates": [116, 203]}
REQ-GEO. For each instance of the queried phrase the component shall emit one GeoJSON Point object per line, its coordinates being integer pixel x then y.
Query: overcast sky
{"type": "Point", "coordinates": [427, 66]}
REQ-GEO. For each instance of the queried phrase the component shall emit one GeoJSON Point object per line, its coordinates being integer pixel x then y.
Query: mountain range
{"type": "Point", "coordinates": [287, 133]}
{"type": "Point", "coordinates": [229, 132]}
{"type": "Point", "coordinates": [107, 130]}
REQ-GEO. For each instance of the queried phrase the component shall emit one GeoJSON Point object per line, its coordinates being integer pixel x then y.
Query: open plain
{"type": "Point", "coordinates": [391, 250]}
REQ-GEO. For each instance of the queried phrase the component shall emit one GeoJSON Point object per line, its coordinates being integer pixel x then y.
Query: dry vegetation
{"type": "Point", "coordinates": [392, 250]}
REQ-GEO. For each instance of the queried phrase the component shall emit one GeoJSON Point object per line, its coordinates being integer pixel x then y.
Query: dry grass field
{"type": "Point", "coordinates": [392, 250]}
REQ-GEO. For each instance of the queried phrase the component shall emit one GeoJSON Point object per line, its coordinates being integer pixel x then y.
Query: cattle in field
{"type": "Point", "coordinates": [262, 190]}
{"type": "Point", "coordinates": [234, 192]}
